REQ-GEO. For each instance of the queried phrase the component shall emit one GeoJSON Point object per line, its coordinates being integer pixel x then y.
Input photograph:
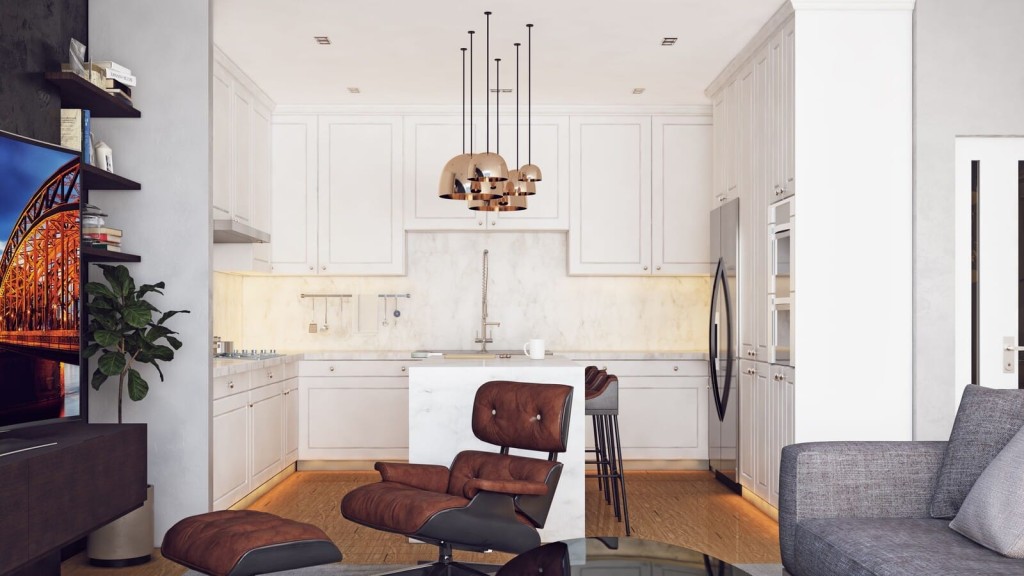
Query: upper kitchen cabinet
{"type": "Point", "coordinates": [337, 201]}
{"type": "Point", "coordinates": [639, 198]}
{"type": "Point", "coordinates": [241, 121]}
{"type": "Point", "coordinates": [430, 141]}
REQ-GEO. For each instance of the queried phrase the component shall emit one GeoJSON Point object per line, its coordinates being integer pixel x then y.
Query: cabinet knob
{"type": "Point", "coordinates": [310, 267]}
{"type": "Point", "coordinates": [270, 374]}
{"type": "Point", "coordinates": [403, 368]}
{"type": "Point", "coordinates": [658, 268]}
{"type": "Point", "coordinates": [331, 368]}
{"type": "Point", "coordinates": [479, 223]}
{"type": "Point", "coordinates": [675, 368]}
{"type": "Point", "coordinates": [250, 405]}
{"type": "Point", "coordinates": [645, 267]}
{"type": "Point", "coordinates": [323, 267]}
{"type": "Point", "coordinates": [231, 384]}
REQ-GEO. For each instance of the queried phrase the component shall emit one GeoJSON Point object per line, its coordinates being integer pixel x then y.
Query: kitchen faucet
{"type": "Point", "coordinates": [481, 338]}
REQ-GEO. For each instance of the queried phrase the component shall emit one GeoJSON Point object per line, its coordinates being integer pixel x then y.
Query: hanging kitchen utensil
{"type": "Point", "coordinates": [385, 322]}
{"type": "Point", "coordinates": [326, 307]}
{"type": "Point", "coordinates": [397, 313]}
{"type": "Point", "coordinates": [313, 328]}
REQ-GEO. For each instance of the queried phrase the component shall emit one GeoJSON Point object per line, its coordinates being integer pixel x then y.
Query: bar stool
{"type": "Point", "coordinates": [602, 403]}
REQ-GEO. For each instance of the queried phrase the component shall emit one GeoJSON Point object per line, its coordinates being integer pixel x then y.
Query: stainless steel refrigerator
{"type": "Point", "coordinates": [723, 346]}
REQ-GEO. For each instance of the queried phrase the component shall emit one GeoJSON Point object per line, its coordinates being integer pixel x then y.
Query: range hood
{"type": "Point", "coordinates": [231, 232]}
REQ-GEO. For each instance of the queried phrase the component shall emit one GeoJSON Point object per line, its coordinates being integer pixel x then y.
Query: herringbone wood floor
{"type": "Point", "coordinates": [688, 509]}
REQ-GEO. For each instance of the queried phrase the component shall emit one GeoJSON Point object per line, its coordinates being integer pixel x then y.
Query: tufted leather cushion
{"type": "Point", "coordinates": [215, 542]}
{"type": "Point", "coordinates": [522, 415]}
{"type": "Point", "coordinates": [516, 472]}
{"type": "Point", "coordinates": [424, 476]}
{"type": "Point", "coordinates": [396, 507]}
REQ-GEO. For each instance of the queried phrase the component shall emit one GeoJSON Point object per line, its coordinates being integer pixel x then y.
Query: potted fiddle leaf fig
{"type": "Point", "coordinates": [123, 326]}
{"type": "Point", "coordinates": [126, 331]}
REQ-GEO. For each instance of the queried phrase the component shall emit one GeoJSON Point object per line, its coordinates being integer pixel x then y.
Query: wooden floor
{"type": "Point", "coordinates": [688, 509]}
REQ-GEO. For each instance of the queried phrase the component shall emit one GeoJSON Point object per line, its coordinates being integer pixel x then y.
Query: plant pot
{"type": "Point", "coordinates": [127, 541]}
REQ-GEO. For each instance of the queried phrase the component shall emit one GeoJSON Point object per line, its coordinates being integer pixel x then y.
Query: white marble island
{"type": "Point", "coordinates": [440, 406]}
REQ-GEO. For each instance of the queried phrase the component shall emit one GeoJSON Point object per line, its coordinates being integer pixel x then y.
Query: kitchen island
{"type": "Point", "coordinates": [440, 405]}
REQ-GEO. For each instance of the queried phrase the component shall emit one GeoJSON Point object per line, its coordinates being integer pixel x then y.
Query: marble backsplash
{"type": "Point", "coordinates": [529, 292]}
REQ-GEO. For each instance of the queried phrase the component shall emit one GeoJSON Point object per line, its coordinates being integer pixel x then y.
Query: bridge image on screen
{"type": "Point", "coordinates": [40, 304]}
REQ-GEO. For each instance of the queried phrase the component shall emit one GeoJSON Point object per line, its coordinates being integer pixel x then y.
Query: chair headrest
{"type": "Point", "coordinates": [523, 415]}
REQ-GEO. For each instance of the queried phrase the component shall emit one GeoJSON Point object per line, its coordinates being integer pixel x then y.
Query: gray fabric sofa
{"type": "Point", "coordinates": [861, 509]}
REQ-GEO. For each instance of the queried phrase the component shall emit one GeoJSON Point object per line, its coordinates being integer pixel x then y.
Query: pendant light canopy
{"type": "Point", "coordinates": [530, 172]}
{"type": "Point", "coordinates": [453, 184]}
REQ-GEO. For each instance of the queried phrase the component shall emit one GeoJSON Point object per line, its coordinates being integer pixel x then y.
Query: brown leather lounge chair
{"type": "Point", "coordinates": [485, 501]}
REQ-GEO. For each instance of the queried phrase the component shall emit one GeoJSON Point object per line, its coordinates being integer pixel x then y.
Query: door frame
{"type": "Point", "coordinates": [967, 148]}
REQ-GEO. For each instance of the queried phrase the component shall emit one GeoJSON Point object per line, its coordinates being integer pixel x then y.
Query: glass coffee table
{"type": "Point", "coordinates": [613, 556]}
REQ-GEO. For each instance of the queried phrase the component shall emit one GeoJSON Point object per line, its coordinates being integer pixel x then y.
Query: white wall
{"type": "Point", "coordinates": [530, 293]}
{"type": "Point", "coordinates": [167, 46]}
{"type": "Point", "coordinates": [968, 81]}
{"type": "Point", "coordinates": [853, 245]}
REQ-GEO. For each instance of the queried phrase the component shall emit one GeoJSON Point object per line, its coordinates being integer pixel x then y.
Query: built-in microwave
{"type": "Point", "coordinates": [782, 289]}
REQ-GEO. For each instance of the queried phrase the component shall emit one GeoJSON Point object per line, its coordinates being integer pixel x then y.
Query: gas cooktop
{"type": "Point", "coordinates": [250, 355]}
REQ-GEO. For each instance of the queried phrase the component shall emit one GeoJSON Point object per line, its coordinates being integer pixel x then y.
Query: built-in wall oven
{"type": "Point", "coordinates": [782, 227]}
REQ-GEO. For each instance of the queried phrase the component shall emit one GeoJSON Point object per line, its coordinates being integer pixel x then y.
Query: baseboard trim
{"type": "Point", "coordinates": [761, 504]}
{"type": "Point", "coordinates": [256, 494]}
{"type": "Point", "coordinates": [629, 465]}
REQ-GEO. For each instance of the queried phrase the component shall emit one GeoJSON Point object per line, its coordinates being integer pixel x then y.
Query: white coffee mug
{"type": "Point", "coordinates": [534, 349]}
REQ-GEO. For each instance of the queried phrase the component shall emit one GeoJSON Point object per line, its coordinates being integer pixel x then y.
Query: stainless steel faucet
{"type": "Point", "coordinates": [482, 338]}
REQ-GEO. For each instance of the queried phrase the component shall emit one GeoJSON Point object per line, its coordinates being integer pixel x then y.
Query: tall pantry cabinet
{"type": "Point", "coordinates": [753, 160]}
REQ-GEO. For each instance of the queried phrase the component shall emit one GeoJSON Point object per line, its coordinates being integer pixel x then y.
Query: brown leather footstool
{"type": "Point", "coordinates": [244, 543]}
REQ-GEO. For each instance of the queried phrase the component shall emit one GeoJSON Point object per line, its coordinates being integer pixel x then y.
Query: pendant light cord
{"type": "Point", "coordinates": [463, 100]}
{"type": "Point", "coordinates": [488, 91]}
{"type": "Point", "coordinates": [529, 93]}
{"type": "Point", "coordinates": [471, 131]}
{"type": "Point", "coordinates": [517, 106]}
{"type": "Point", "coordinates": [497, 106]}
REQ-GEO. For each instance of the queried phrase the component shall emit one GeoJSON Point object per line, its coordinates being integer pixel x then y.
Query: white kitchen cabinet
{"type": "Point", "coordinates": [430, 141]}
{"type": "Point", "coordinates": [240, 171]}
{"type": "Point", "coordinates": [610, 192]}
{"type": "Point", "coordinates": [294, 194]}
{"type": "Point", "coordinates": [249, 432]}
{"type": "Point", "coordinates": [747, 379]}
{"type": "Point", "coordinates": [337, 198]}
{"type": "Point", "coordinates": [682, 173]}
{"type": "Point", "coordinates": [353, 410]}
{"type": "Point", "coordinates": [290, 422]}
{"type": "Point", "coordinates": [662, 408]}
{"type": "Point", "coordinates": [767, 420]}
{"type": "Point", "coordinates": [782, 421]}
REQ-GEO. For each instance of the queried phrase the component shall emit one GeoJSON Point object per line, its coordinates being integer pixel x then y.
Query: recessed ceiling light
{"type": "Point", "coordinates": [353, 90]}
{"type": "Point", "coordinates": [322, 40]}
{"type": "Point", "coordinates": [668, 41]}
{"type": "Point", "coordinates": [503, 90]}
{"type": "Point", "coordinates": [638, 90]}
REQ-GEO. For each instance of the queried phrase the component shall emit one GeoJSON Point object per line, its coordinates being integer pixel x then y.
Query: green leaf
{"type": "Point", "coordinates": [147, 288]}
{"type": "Point", "coordinates": [174, 342]}
{"type": "Point", "coordinates": [157, 332]}
{"type": "Point", "coordinates": [90, 350]}
{"type": "Point", "coordinates": [169, 314]}
{"type": "Point", "coordinates": [162, 353]}
{"type": "Point", "coordinates": [99, 290]}
{"type": "Point", "coordinates": [107, 337]}
{"type": "Point", "coordinates": [121, 283]}
{"type": "Point", "coordinates": [98, 378]}
{"type": "Point", "coordinates": [138, 314]}
{"type": "Point", "coordinates": [137, 386]}
{"type": "Point", "coordinates": [111, 363]}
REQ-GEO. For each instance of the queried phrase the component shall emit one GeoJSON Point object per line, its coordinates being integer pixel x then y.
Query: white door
{"type": "Point", "coordinates": [989, 270]}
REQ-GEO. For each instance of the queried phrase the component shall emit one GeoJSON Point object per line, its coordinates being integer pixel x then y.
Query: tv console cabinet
{"type": "Point", "coordinates": [53, 495]}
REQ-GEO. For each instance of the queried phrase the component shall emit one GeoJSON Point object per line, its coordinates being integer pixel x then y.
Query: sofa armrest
{"type": "Point", "coordinates": [430, 477]}
{"type": "Point", "coordinates": [854, 480]}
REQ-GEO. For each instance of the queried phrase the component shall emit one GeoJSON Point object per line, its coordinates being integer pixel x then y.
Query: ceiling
{"type": "Point", "coordinates": [406, 52]}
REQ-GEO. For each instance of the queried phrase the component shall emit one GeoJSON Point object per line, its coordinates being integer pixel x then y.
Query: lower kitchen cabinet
{"type": "Point", "coordinates": [353, 410]}
{"type": "Point", "coordinates": [291, 419]}
{"type": "Point", "coordinates": [662, 408]}
{"type": "Point", "coordinates": [250, 430]}
{"type": "Point", "coordinates": [767, 424]}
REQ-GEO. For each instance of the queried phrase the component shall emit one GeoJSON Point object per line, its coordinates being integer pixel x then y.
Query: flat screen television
{"type": "Point", "coordinates": [40, 285]}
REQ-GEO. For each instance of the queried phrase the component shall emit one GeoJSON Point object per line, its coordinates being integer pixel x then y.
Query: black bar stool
{"type": "Point", "coordinates": [602, 404]}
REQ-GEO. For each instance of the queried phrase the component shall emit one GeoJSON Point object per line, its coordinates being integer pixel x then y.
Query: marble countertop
{"type": "Point", "coordinates": [229, 366]}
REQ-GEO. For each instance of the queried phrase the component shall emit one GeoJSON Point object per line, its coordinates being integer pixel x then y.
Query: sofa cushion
{"type": "Point", "coordinates": [985, 422]}
{"type": "Point", "coordinates": [891, 547]}
{"type": "Point", "coordinates": [993, 512]}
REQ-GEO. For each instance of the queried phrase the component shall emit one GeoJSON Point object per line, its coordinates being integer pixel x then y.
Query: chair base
{"type": "Point", "coordinates": [447, 566]}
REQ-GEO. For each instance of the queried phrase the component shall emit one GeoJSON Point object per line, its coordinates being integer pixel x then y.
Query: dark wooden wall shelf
{"type": "Point", "coordinates": [92, 255]}
{"type": "Point", "coordinates": [100, 179]}
{"type": "Point", "coordinates": [77, 92]}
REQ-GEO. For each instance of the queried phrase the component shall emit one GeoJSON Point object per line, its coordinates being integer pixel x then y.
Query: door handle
{"type": "Point", "coordinates": [1010, 350]}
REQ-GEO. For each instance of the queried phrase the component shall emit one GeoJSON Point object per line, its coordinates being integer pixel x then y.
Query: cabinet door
{"type": "Point", "coordinates": [783, 382]}
{"type": "Point", "coordinates": [610, 185]}
{"type": "Point", "coordinates": [293, 201]}
{"type": "Point", "coordinates": [749, 233]}
{"type": "Point", "coordinates": [776, 134]}
{"type": "Point", "coordinates": [763, 421]}
{"type": "Point", "coordinates": [267, 409]}
{"type": "Point", "coordinates": [354, 417]}
{"type": "Point", "coordinates": [221, 134]}
{"type": "Point", "coordinates": [681, 167]}
{"type": "Point", "coordinates": [360, 199]}
{"type": "Point", "coordinates": [230, 450]}
{"type": "Point", "coordinates": [291, 421]}
{"type": "Point", "coordinates": [762, 153]}
{"type": "Point", "coordinates": [748, 426]}
{"type": "Point", "coordinates": [788, 112]}
{"type": "Point", "coordinates": [241, 186]}
{"type": "Point", "coordinates": [261, 166]}
{"type": "Point", "coordinates": [430, 142]}
{"type": "Point", "coordinates": [548, 209]}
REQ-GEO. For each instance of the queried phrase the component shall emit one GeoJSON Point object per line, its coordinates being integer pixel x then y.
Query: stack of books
{"type": "Point", "coordinates": [102, 238]}
{"type": "Point", "coordinates": [114, 78]}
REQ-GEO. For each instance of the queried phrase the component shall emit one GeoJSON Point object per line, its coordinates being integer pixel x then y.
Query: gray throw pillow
{"type": "Point", "coordinates": [985, 422]}
{"type": "Point", "coordinates": [993, 512]}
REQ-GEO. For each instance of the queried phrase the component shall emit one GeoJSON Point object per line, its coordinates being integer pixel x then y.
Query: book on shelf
{"type": "Point", "coordinates": [86, 230]}
{"type": "Point", "coordinates": [120, 95]}
{"type": "Point", "coordinates": [111, 84]}
{"type": "Point", "coordinates": [102, 246]}
{"type": "Point", "coordinates": [112, 66]}
{"type": "Point", "coordinates": [101, 238]}
{"type": "Point", "coordinates": [71, 128]}
{"type": "Point", "coordinates": [112, 74]}
{"type": "Point", "coordinates": [86, 137]}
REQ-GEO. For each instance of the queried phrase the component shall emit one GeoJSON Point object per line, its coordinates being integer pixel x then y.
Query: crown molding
{"type": "Point", "coordinates": [781, 16]}
{"type": "Point", "coordinates": [702, 110]}
{"type": "Point", "coordinates": [241, 77]}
